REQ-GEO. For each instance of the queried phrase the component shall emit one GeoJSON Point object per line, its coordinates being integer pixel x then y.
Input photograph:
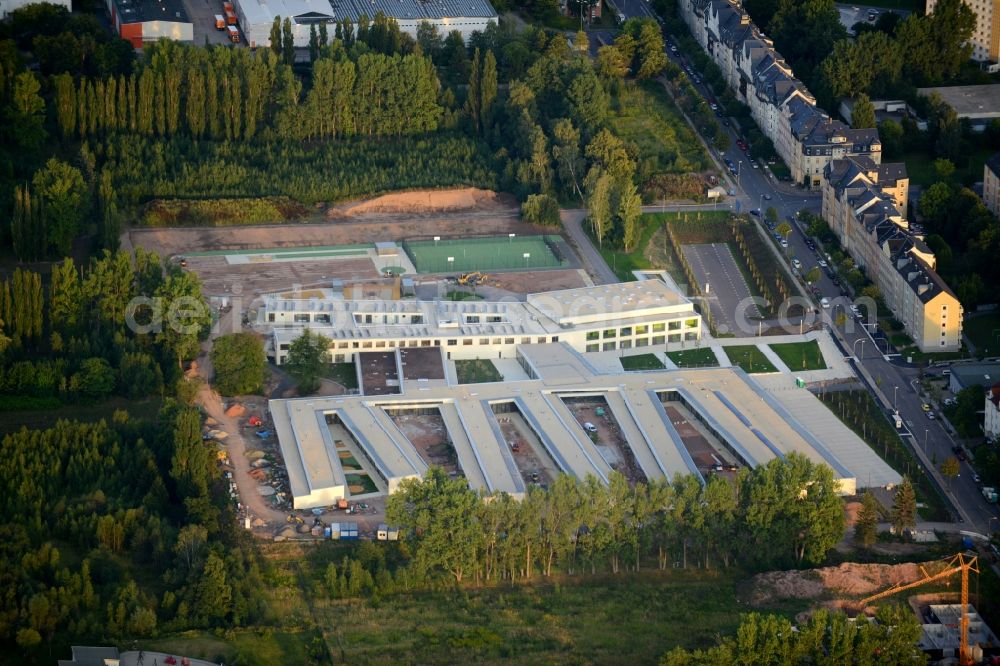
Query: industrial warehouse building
{"type": "Point", "coordinates": [142, 21]}
{"type": "Point", "coordinates": [257, 16]}
{"type": "Point", "coordinates": [626, 317]}
{"type": "Point", "coordinates": [744, 422]}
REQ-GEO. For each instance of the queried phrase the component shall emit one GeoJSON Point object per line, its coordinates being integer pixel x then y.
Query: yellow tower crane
{"type": "Point", "coordinates": [960, 563]}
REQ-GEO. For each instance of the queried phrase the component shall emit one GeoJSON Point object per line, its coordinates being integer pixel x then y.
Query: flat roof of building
{"type": "Point", "coordinates": [981, 101]}
{"type": "Point", "coordinates": [969, 374]}
{"type": "Point", "coordinates": [142, 11]}
{"type": "Point", "coordinates": [756, 423]}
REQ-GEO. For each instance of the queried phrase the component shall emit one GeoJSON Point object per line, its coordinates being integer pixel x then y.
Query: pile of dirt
{"type": "Point", "coordinates": [421, 201]}
{"type": "Point", "coordinates": [236, 410]}
{"type": "Point", "coordinates": [847, 580]}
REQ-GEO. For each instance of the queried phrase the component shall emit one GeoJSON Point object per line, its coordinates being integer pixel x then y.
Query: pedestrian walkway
{"type": "Point", "coordinates": [720, 355]}
{"type": "Point", "coordinates": [772, 357]}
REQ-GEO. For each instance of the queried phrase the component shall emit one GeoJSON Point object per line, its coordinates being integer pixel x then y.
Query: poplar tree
{"type": "Point", "coordinates": [275, 37]}
{"type": "Point", "coordinates": [195, 104]}
{"type": "Point", "coordinates": [147, 94]}
{"type": "Point", "coordinates": [172, 97]}
{"type": "Point", "coordinates": [313, 43]}
{"type": "Point", "coordinates": [212, 103]}
{"type": "Point", "coordinates": [287, 42]}
{"type": "Point", "coordinates": [473, 100]}
{"type": "Point", "coordinates": [83, 124]}
{"type": "Point", "coordinates": [488, 90]}
{"type": "Point", "coordinates": [65, 104]}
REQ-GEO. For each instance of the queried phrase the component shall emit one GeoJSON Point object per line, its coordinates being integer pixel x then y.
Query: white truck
{"type": "Point", "coordinates": [990, 494]}
{"type": "Point", "coordinates": [897, 421]}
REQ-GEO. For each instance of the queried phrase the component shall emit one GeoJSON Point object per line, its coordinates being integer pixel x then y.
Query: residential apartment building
{"type": "Point", "coordinates": [991, 184]}
{"type": "Point", "coordinates": [643, 315]}
{"type": "Point", "coordinates": [804, 136]}
{"type": "Point", "coordinates": [868, 219]}
{"type": "Point", "coordinates": [986, 37]}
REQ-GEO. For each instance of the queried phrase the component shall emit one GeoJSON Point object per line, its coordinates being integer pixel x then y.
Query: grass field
{"type": "Point", "coordinates": [984, 332]}
{"type": "Point", "coordinates": [694, 358]}
{"type": "Point", "coordinates": [800, 355]}
{"type": "Point", "coordinates": [477, 371]}
{"type": "Point", "coordinates": [641, 362]}
{"type": "Point", "coordinates": [483, 254]}
{"type": "Point", "coordinates": [749, 358]}
{"type": "Point", "coordinates": [646, 117]}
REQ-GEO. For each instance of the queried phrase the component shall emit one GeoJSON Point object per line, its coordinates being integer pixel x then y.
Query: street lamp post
{"type": "Point", "coordinates": [527, 256]}
{"type": "Point", "coordinates": [739, 170]}
{"type": "Point", "coordinates": [895, 404]}
{"type": "Point", "coordinates": [862, 341]}
{"type": "Point", "coordinates": [926, 431]}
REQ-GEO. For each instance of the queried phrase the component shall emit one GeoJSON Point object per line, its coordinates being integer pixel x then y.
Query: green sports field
{"type": "Point", "coordinates": [498, 253]}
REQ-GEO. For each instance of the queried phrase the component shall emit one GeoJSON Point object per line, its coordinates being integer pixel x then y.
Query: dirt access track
{"type": "Point", "coordinates": [393, 217]}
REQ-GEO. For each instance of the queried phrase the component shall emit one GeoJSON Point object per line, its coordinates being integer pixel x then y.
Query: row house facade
{"type": "Point", "coordinates": [869, 220]}
{"type": "Point", "coordinates": [803, 136]}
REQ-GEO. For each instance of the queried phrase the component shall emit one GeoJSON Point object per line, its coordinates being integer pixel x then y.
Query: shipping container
{"type": "Point", "coordinates": [234, 35]}
{"type": "Point", "coordinates": [220, 23]}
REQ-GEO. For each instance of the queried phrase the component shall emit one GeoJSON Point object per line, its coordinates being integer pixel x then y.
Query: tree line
{"type": "Point", "coordinates": [72, 341]}
{"type": "Point", "coordinates": [786, 512]}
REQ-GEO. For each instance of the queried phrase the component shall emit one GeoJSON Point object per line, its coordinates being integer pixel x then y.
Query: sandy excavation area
{"type": "Point", "coordinates": [393, 217]}
{"type": "Point", "coordinates": [850, 580]}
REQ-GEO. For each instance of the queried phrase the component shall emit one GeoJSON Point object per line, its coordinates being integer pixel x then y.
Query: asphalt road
{"type": "Point", "coordinates": [715, 269]}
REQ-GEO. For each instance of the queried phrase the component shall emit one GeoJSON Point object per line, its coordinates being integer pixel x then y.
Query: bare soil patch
{"type": "Point", "coordinates": [528, 282]}
{"type": "Point", "coordinates": [534, 463]}
{"type": "Point", "coordinates": [847, 580]}
{"type": "Point", "coordinates": [429, 437]}
{"type": "Point", "coordinates": [424, 202]}
{"type": "Point", "coordinates": [609, 435]}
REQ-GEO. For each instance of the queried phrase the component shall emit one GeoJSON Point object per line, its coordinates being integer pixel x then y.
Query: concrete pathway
{"type": "Point", "coordinates": [720, 355]}
{"type": "Point", "coordinates": [773, 357]}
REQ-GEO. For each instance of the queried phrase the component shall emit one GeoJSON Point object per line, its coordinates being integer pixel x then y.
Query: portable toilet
{"type": "Point", "coordinates": [334, 530]}
{"type": "Point", "coordinates": [383, 532]}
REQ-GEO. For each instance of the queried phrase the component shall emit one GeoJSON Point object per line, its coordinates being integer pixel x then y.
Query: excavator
{"type": "Point", "coordinates": [472, 279]}
{"type": "Point", "coordinates": [961, 563]}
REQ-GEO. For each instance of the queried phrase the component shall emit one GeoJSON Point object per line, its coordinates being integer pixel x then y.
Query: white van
{"type": "Point", "coordinates": [589, 427]}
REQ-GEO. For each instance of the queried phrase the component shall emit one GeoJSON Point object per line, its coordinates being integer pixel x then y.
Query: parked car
{"type": "Point", "coordinates": [767, 197]}
{"type": "Point", "coordinates": [784, 243]}
{"type": "Point", "coordinates": [825, 302]}
{"type": "Point", "coordinates": [755, 212]}
{"type": "Point", "coordinates": [822, 264]}
{"type": "Point", "coordinates": [925, 407]}
{"type": "Point", "coordinates": [589, 427]}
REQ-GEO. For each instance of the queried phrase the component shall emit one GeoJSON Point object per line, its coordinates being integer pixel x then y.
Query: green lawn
{"type": "Point", "coordinates": [646, 116]}
{"type": "Point", "coordinates": [749, 358]}
{"type": "Point", "coordinates": [694, 358]}
{"type": "Point", "coordinates": [984, 332]}
{"type": "Point", "coordinates": [800, 355]}
{"type": "Point", "coordinates": [477, 371]}
{"type": "Point", "coordinates": [641, 362]}
{"type": "Point", "coordinates": [342, 373]}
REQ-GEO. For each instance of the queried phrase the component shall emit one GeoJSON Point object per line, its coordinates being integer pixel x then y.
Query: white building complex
{"type": "Point", "coordinates": [257, 16]}
{"type": "Point", "coordinates": [625, 317]}
{"type": "Point", "coordinates": [784, 109]}
{"type": "Point", "coordinates": [672, 421]}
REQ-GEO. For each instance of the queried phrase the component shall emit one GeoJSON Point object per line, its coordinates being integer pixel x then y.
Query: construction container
{"type": "Point", "coordinates": [327, 533]}
{"type": "Point", "coordinates": [393, 534]}
{"type": "Point", "coordinates": [234, 35]}
{"type": "Point", "coordinates": [343, 505]}
{"type": "Point", "coordinates": [335, 530]}
{"type": "Point", "coordinates": [220, 23]}
{"type": "Point", "coordinates": [230, 18]}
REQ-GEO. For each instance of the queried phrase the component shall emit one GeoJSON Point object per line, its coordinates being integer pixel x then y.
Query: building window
{"type": "Point", "coordinates": [525, 341]}
{"type": "Point", "coordinates": [626, 331]}
{"type": "Point", "coordinates": [341, 345]}
{"type": "Point", "coordinates": [675, 326]}
{"type": "Point", "coordinates": [641, 330]}
{"type": "Point", "coordinates": [626, 344]}
{"type": "Point", "coordinates": [641, 342]}
{"type": "Point", "coordinates": [472, 319]}
{"type": "Point", "coordinates": [555, 338]}
{"type": "Point", "coordinates": [484, 341]}
{"type": "Point", "coordinates": [610, 333]}
{"type": "Point", "coordinates": [452, 343]}
{"type": "Point", "coordinates": [540, 341]}
{"type": "Point", "coordinates": [322, 318]}
{"type": "Point", "coordinates": [609, 346]}
{"type": "Point", "coordinates": [593, 335]}
{"type": "Point", "coordinates": [497, 341]}
{"type": "Point", "coordinates": [467, 342]}
{"type": "Point", "coordinates": [593, 347]}
{"type": "Point", "coordinates": [658, 339]}
{"type": "Point", "coordinates": [301, 319]}
{"type": "Point", "coordinates": [508, 341]}
{"type": "Point", "coordinates": [366, 345]}
{"type": "Point", "coordinates": [417, 319]}
{"type": "Point", "coordinates": [659, 328]}
{"type": "Point", "coordinates": [380, 344]}
{"type": "Point", "coordinates": [496, 319]}
{"type": "Point", "coordinates": [425, 343]}
{"type": "Point", "coordinates": [270, 316]}
{"type": "Point", "coordinates": [674, 337]}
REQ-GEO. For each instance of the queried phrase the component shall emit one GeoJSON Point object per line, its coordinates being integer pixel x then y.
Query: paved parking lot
{"type": "Point", "coordinates": [202, 14]}
{"type": "Point", "coordinates": [713, 264]}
